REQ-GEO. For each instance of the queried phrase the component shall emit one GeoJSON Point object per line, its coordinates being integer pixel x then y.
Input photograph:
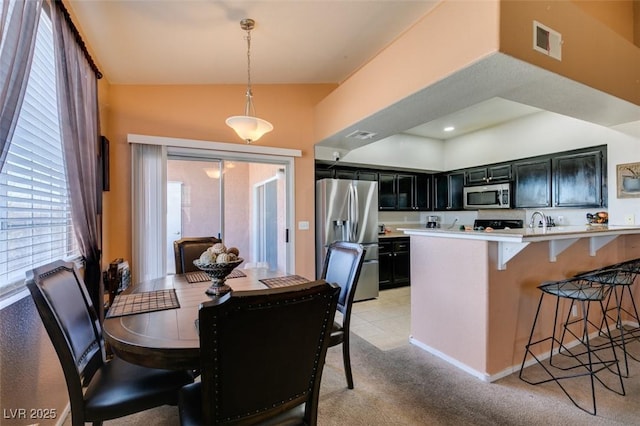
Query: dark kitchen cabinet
{"type": "Point", "coordinates": [578, 179]}
{"type": "Point", "coordinates": [369, 175]}
{"type": "Point", "coordinates": [448, 191]}
{"type": "Point", "coordinates": [489, 174]}
{"type": "Point", "coordinates": [394, 262]}
{"type": "Point", "coordinates": [345, 174]}
{"type": "Point", "coordinates": [325, 173]}
{"type": "Point", "coordinates": [403, 192]}
{"type": "Point", "coordinates": [387, 191]}
{"type": "Point", "coordinates": [422, 192]}
{"type": "Point", "coordinates": [532, 183]}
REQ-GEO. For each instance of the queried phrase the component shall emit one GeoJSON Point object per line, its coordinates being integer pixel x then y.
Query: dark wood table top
{"type": "Point", "coordinates": [169, 338]}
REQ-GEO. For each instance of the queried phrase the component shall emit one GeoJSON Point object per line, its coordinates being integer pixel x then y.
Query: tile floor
{"type": "Point", "coordinates": [384, 322]}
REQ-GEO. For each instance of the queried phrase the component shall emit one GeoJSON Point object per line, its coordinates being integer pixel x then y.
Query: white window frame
{"type": "Point", "coordinates": [37, 178]}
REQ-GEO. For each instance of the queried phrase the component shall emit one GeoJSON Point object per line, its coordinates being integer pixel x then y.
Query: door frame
{"type": "Point", "coordinates": [228, 152]}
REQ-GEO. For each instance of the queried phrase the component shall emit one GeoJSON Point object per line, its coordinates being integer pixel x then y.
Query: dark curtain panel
{"type": "Point", "coordinates": [79, 122]}
{"type": "Point", "coordinates": [18, 28]}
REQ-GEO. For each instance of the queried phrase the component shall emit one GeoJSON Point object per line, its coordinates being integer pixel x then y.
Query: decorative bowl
{"type": "Point", "coordinates": [218, 273]}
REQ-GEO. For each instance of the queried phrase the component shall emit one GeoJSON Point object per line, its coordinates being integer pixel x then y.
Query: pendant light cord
{"type": "Point", "coordinates": [249, 108]}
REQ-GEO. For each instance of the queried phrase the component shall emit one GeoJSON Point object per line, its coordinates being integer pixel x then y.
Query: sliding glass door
{"type": "Point", "coordinates": [242, 202]}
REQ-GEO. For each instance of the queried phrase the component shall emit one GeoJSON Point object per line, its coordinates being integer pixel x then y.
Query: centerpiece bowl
{"type": "Point", "coordinates": [218, 273]}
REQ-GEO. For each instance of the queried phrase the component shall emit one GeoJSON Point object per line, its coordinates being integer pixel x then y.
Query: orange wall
{"type": "Point", "coordinates": [616, 14]}
{"type": "Point", "coordinates": [592, 53]}
{"type": "Point", "coordinates": [453, 35]}
{"type": "Point", "coordinates": [199, 112]}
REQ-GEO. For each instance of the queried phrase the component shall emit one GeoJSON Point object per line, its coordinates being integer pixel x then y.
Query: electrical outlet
{"type": "Point", "coordinates": [629, 219]}
{"type": "Point", "coordinates": [560, 220]}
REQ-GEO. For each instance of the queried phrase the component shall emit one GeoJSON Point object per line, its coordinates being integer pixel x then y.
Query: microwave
{"type": "Point", "coordinates": [494, 196]}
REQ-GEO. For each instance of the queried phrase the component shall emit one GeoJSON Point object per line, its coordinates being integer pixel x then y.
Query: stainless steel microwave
{"type": "Point", "coordinates": [494, 196]}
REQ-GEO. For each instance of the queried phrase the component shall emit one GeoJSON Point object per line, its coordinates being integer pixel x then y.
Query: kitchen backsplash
{"type": "Point", "coordinates": [566, 217]}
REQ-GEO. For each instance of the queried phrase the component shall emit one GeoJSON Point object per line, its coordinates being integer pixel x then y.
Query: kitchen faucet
{"type": "Point", "coordinates": [532, 223]}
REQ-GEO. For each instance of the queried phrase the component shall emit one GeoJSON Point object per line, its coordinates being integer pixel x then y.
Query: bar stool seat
{"type": "Point", "coordinates": [579, 358]}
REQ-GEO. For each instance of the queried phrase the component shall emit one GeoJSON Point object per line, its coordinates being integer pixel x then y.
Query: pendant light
{"type": "Point", "coordinates": [249, 127]}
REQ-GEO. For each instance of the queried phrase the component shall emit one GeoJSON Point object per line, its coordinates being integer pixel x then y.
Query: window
{"type": "Point", "coordinates": [35, 211]}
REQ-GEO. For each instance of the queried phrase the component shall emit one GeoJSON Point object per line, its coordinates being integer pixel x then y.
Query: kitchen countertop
{"type": "Point", "coordinates": [525, 235]}
{"type": "Point", "coordinates": [392, 234]}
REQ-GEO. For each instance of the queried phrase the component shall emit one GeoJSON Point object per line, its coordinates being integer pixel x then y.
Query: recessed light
{"type": "Point", "coordinates": [449, 129]}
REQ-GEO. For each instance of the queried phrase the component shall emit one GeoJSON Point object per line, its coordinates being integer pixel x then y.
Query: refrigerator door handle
{"type": "Point", "coordinates": [353, 212]}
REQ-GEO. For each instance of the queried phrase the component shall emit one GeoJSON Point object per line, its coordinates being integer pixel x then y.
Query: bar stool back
{"type": "Point", "coordinates": [579, 357]}
{"type": "Point", "coordinates": [621, 307]}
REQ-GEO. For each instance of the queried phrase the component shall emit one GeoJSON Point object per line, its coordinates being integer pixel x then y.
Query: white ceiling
{"type": "Point", "coordinates": [306, 41]}
{"type": "Point", "coordinates": [201, 42]}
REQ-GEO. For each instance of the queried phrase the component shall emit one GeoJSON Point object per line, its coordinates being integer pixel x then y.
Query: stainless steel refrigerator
{"type": "Point", "coordinates": [347, 210]}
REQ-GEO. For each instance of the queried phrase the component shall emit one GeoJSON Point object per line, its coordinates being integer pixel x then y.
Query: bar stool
{"type": "Point", "coordinates": [598, 359]}
{"type": "Point", "coordinates": [620, 277]}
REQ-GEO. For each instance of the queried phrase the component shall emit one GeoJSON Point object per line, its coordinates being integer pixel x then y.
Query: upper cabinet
{"type": "Point", "coordinates": [448, 191]}
{"type": "Point", "coordinates": [403, 192]}
{"type": "Point", "coordinates": [532, 183]}
{"type": "Point", "coordinates": [567, 179]}
{"type": "Point", "coordinates": [491, 174]}
{"type": "Point", "coordinates": [578, 179]}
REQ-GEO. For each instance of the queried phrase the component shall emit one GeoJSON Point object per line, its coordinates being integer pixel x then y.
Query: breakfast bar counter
{"type": "Point", "coordinates": [474, 293]}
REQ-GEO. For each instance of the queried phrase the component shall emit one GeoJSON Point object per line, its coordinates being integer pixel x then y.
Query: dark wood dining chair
{"type": "Point", "coordinates": [262, 356]}
{"type": "Point", "coordinates": [342, 266]}
{"type": "Point", "coordinates": [98, 390]}
{"type": "Point", "coordinates": [188, 249]}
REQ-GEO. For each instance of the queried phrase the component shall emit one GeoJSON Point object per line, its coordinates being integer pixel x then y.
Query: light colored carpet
{"type": "Point", "coordinates": [407, 386]}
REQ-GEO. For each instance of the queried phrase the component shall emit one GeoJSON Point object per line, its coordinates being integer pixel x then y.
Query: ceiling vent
{"type": "Point", "coordinates": [547, 41]}
{"type": "Point", "coordinates": [361, 134]}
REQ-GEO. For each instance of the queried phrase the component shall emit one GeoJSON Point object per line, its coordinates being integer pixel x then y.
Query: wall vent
{"type": "Point", "coordinates": [361, 134]}
{"type": "Point", "coordinates": [547, 41]}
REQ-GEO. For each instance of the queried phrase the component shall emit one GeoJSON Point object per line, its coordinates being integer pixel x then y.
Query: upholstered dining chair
{"type": "Point", "coordinates": [262, 355]}
{"type": "Point", "coordinates": [188, 249]}
{"type": "Point", "coordinates": [342, 266]}
{"type": "Point", "coordinates": [98, 390]}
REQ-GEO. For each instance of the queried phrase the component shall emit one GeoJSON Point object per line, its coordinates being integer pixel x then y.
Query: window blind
{"type": "Point", "coordinates": [35, 211]}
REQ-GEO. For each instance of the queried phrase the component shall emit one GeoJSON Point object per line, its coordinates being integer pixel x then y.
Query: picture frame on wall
{"type": "Point", "coordinates": [628, 180]}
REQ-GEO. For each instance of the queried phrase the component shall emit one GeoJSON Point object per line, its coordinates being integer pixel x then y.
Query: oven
{"type": "Point", "coordinates": [494, 196]}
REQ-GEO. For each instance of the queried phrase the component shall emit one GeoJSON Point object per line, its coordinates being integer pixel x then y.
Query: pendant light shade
{"type": "Point", "coordinates": [249, 127]}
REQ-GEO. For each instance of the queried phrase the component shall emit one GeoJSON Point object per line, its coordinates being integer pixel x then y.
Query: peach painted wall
{"type": "Point", "coordinates": [453, 35]}
{"type": "Point", "coordinates": [592, 53]}
{"type": "Point", "coordinates": [199, 112]}
{"type": "Point", "coordinates": [616, 14]}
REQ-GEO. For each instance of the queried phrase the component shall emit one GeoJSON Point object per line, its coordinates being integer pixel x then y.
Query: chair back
{"type": "Point", "coordinates": [262, 352]}
{"type": "Point", "coordinates": [71, 322]}
{"type": "Point", "coordinates": [342, 266]}
{"type": "Point", "coordinates": [186, 250]}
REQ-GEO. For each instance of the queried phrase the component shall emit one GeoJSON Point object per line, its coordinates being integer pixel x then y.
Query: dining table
{"type": "Point", "coordinates": [168, 337]}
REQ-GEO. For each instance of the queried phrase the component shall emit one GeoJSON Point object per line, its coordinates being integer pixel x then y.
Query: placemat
{"type": "Point", "coordinates": [283, 281]}
{"type": "Point", "coordinates": [137, 303]}
{"type": "Point", "coordinates": [199, 276]}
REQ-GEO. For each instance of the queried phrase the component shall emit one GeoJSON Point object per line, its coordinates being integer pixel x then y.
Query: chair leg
{"type": "Point", "coordinates": [346, 358]}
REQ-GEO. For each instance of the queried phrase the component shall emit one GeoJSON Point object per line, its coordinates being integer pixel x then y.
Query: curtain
{"type": "Point", "coordinates": [79, 122]}
{"type": "Point", "coordinates": [148, 201]}
{"type": "Point", "coordinates": [18, 29]}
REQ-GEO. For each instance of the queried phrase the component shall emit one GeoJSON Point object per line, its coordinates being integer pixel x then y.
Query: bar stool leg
{"type": "Point", "coordinates": [593, 365]}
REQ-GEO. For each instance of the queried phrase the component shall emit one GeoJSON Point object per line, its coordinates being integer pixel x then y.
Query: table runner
{"type": "Point", "coordinates": [137, 303]}
{"type": "Point", "coordinates": [199, 276]}
{"type": "Point", "coordinates": [287, 280]}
